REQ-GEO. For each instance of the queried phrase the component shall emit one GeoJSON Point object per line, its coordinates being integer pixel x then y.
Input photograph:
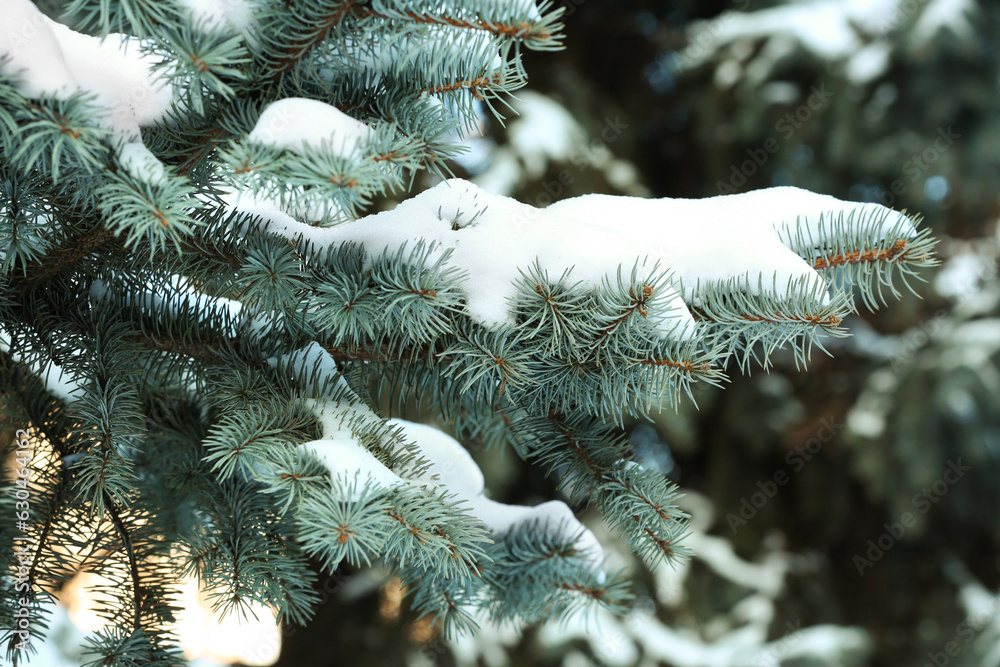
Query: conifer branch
{"type": "Point", "coordinates": [819, 320]}
{"type": "Point", "coordinates": [64, 257]}
{"type": "Point", "coordinates": [133, 566]}
{"type": "Point", "coordinates": [474, 86]}
{"type": "Point", "coordinates": [202, 149]}
{"type": "Point", "coordinates": [320, 28]}
{"type": "Point", "coordinates": [858, 256]}
{"type": "Point", "coordinates": [541, 33]}
{"type": "Point", "coordinates": [690, 367]}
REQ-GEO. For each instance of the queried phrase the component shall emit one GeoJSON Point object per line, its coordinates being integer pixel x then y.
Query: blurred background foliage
{"type": "Point", "coordinates": [848, 514]}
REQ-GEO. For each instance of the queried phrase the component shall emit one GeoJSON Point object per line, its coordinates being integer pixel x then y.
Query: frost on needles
{"type": "Point", "coordinates": [201, 314]}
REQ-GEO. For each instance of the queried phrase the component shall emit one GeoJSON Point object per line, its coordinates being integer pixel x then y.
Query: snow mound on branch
{"type": "Point", "coordinates": [179, 299]}
{"type": "Point", "coordinates": [452, 467]}
{"type": "Point", "coordinates": [52, 60]}
{"type": "Point", "coordinates": [869, 63]}
{"type": "Point", "coordinates": [347, 459]}
{"type": "Point", "coordinates": [730, 237]}
{"type": "Point", "coordinates": [829, 29]}
{"type": "Point", "coordinates": [295, 123]}
{"type": "Point", "coordinates": [338, 448]}
{"type": "Point", "coordinates": [450, 464]}
{"type": "Point", "coordinates": [141, 164]}
{"type": "Point", "coordinates": [491, 238]}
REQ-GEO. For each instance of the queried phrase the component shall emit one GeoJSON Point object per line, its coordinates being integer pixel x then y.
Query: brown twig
{"type": "Point", "coordinates": [887, 254]}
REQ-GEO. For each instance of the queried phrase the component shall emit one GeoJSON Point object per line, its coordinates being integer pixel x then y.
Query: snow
{"type": "Point", "coordinates": [963, 275]}
{"type": "Point", "coordinates": [876, 16]}
{"type": "Point", "coordinates": [980, 604]}
{"type": "Point", "coordinates": [743, 646]}
{"type": "Point", "coordinates": [53, 60]}
{"type": "Point", "coordinates": [349, 461]}
{"type": "Point", "coordinates": [342, 453]}
{"type": "Point", "coordinates": [141, 164]}
{"type": "Point", "coordinates": [59, 384]}
{"type": "Point", "coordinates": [448, 464]}
{"type": "Point", "coordinates": [829, 29]}
{"type": "Point", "coordinates": [821, 27]}
{"type": "Point", "coordinates": [340, 409]}
{"type": "Point", "coordinates": [730, 237]}
{"type": "Point", "coordinates": [950, 15]}
{"type": "Point", "coordinates": [179, 297]}
{"type": "Point", "coordinates": [739, 636]}
{"type": "Point", "coordinates": [268, 209]}
{"type": "Point", "coordinates": [736, 637]}
{"type": "Point", "coordinates": [218, 15]}
{"type": "Point", "coordinates": [314, 359]}
{"type": "Point", "coordinates": [973, 345]}
{"type": "Point", "coordinates": [334, 417]}
{"type": "Point", "coordinates": [530, 5]}
{"type": "Point", "coordinates": [489, 646]}
{"type": "Point", "coordinates": [295, 123]}
{"type": "Point", "coordinates": [730, 240]}
{"type": "Point", "coordinates": [544, 131]}
{"type": "Point", "coordinates": [869, 63]}
{"type": "Point", "coordinates": [503, 173]}
{"type": "Point", "coordinates": [496, 236]}
{"type": "Point", "coordinates": [727, 238]}
{"type": "Point", "coordinates": [768, 577]}
{"type": "Point", "coordinates": [452, 467]}
{"type": "Point", "coordinates": [34, 52]}
{"type": "Point", "coordinates": [601, 630]}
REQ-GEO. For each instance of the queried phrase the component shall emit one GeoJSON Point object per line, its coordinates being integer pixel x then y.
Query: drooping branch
{"type": "Point", "coordinates": [133, 563]}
